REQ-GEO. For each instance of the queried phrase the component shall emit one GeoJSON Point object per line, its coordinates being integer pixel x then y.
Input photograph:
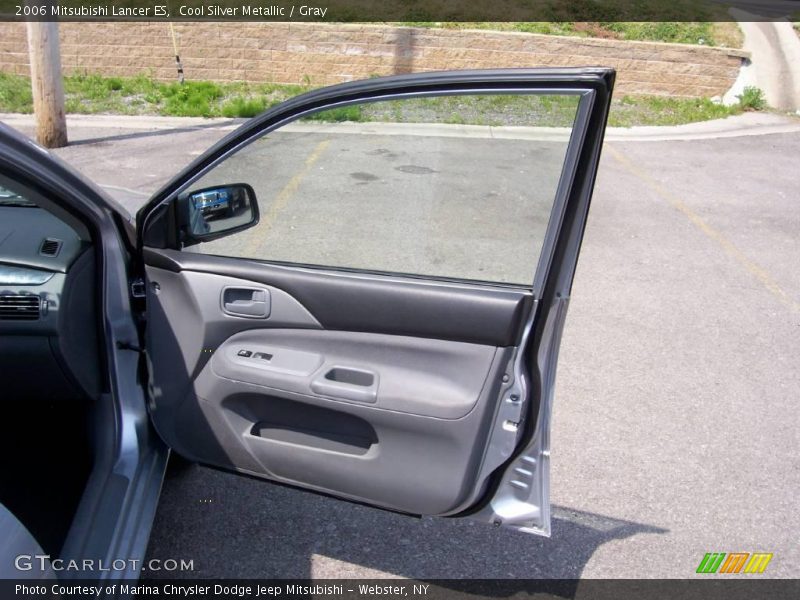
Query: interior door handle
{"type": "Point", "coordinates": [253, 303]}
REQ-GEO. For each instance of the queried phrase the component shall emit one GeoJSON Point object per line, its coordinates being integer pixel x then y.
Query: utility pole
{"type": "Point", "coordinates": [47, 85]}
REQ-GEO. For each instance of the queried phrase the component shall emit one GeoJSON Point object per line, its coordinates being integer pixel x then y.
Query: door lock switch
{"type": "Point", "coordinates": [245, 353]}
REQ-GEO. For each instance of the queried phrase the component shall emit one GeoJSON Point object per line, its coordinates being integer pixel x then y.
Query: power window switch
{"type": "Point", "coordinates": [262, 356]}
{"type": "Point", "coordinates": [245, 353]}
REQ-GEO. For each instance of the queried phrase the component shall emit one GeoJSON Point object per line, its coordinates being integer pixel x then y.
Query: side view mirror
{"type": "Point", "coordinates": [215, 212]}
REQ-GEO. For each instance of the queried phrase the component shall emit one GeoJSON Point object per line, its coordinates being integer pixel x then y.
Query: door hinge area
{"type": "Point", "coordinates": [512, 414]}
{"type": "Point", "coordinates": [509, 421]}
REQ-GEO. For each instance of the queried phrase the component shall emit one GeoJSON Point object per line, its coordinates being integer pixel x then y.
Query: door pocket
{"type": "Point", "coordinates": [310, 426]}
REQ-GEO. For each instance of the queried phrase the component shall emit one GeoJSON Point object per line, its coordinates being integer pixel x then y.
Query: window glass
{"type": "Point", "coordinates": [451, 186]}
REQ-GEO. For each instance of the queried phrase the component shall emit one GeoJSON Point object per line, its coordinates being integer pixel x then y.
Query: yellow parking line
{"type": "Point", "coordinates": [756, 271]}
{"type": "Point", "coordinates": [259, 233]}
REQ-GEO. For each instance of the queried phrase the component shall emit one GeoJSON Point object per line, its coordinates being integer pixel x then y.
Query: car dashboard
{"type": "Point", "coordinates": [36, 253]}
{"type": "Point", "coordinates": [48, 342]}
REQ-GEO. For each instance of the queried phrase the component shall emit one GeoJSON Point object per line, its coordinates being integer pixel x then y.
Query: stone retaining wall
{"type": "Point", "coordinates": [331, 53]}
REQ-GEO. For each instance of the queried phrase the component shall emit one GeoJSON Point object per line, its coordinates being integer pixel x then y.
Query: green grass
{"type": "Point", "coordinates": [141, 95]}
{"type": "Point", "coordinates": [655, 110]}
{"type": "Point", "coordinates": [493, 110]}
{"type": "Point", "coordinates": [702, 33]}
{"type": "Point", "coordinates": [646, 20]}
{"type": "Point", "coordinates": [551, 111]}
{"type": "Point", "coordinates": [93, 94]}
{"type": "Point", "coordinates": [243, 107]}
{"type": "Point", "coordinates": [15, 94]}
{"type": "Point", "coordinates": [354, 113]}
{"type": "Point", "coordinates": [752, 98]}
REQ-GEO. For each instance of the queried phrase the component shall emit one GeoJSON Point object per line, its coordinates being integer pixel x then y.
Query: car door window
{"type": "Point", "coordinates": [456, 186]}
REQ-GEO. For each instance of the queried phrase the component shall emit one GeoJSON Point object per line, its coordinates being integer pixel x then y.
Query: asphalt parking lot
{"type": "Point", "coordinates": [400, 200]}
{"type": "Point", "coordinates": [677, 410]}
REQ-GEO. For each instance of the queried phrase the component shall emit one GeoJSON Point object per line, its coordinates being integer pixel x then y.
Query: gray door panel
{"type": "Point", "coordinates": [368, 416]}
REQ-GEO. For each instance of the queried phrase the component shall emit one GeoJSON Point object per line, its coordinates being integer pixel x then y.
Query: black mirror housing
{"type": "Point", "coordinates": [214, 212]}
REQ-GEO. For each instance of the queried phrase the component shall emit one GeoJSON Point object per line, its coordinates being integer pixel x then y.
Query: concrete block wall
{"type": "Point", "coordinates": [331, 53]}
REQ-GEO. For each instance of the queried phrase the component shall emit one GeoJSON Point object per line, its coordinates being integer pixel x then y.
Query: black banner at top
{"type": "Point", "coordinates": [404, 11]}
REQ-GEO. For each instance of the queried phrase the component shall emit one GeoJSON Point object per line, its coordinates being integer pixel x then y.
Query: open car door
{"type": "Point", "coordinates": [362, 291]}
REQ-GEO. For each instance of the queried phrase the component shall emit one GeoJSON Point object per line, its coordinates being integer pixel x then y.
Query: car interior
{"type": "Point", "coordinates": [335, 382]}
{"type": "Point", "coordinates": [355, 361]}
{"type": "Point", "coordinates": [50, 362]}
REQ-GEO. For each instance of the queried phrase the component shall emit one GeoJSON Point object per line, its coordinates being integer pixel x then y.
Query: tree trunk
{"type": "Point", "coordinates": [47, 85]}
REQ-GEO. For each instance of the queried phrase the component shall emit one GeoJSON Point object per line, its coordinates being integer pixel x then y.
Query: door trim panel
{"type": "Point", "coordinates": [434, 399]}
{"type": "Point", "coordinates": [462, 312]}
{"type": "Point", "coordinates": [418, 448]}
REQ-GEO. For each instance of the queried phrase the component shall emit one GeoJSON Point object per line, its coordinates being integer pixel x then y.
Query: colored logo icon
{"type": "Point", "coordinates": [734, 562]}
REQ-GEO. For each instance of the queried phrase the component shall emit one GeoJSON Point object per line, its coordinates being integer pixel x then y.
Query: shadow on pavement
{"type": "Point", "coordinates": [152, 133]}
{"type": "Point", "coordinates": [237, 527]}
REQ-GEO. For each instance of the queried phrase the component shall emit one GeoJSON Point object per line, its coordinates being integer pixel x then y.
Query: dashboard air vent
{"type": "Point", "coordinates": [50, 247]}
{"type": "Point", "coordinates": [19, 307]}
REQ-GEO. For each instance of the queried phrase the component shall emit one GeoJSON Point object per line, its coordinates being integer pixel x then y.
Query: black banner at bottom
{"type": "Point", "coordinates": [439, 589]}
